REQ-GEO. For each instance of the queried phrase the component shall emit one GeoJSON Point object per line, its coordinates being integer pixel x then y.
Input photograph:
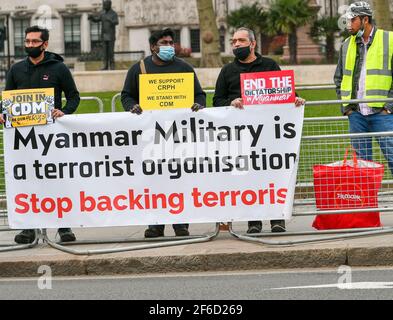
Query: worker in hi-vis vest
{"type": "Point", "coordinates": [364, 71]}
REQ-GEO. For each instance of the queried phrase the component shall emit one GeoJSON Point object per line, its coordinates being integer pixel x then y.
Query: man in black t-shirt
{"type": "Point", "coordinates": [162, 60]}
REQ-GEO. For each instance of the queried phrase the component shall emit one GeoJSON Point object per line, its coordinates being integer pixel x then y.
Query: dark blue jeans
{"type": "Point", "coordinates": [377, 122]}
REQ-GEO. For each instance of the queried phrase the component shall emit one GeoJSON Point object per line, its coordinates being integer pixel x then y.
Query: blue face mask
{"type": "Point", "coordinates": [361, 31]}
{"type": "Point", "coordinates": [166, 53]}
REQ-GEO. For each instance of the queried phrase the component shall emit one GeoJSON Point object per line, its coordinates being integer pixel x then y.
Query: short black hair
{"type": "Point", "coordinates": [44, 32]}
{"type": "Point", "coordinates": [370, 19]}
{"type": "Point", "coordinates": [157, 35]}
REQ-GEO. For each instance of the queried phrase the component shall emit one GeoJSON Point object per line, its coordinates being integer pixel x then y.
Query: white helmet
{"type": "Point", "coordinates": [359, 8]}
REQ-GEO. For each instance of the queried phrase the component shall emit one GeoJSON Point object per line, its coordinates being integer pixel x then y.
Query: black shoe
{"type": "Point", "coordinates": [278, 225]}
{"type": "Point", "coordinates": [66, 235]}
{"type": "Point", "coordinates": [254, 227]}
{"type": "Point", "coordinates": [182, 232]}
{"type": "Point", "coordinates": [153, 233]}
{"type": "Point", "coordinates": [25, 237]}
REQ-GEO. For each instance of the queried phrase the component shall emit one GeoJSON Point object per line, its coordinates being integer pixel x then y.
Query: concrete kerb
{"type": "Point", "coordinates": [172, 264]}
{"type": "Point", "coordinates": [224, 254]}
{"type": "Point", "coordinates": [239, 261]}
{"type": "Point", "coordinates": [225, 261]}
{"type": "Point", "coordinates": [370, 257]}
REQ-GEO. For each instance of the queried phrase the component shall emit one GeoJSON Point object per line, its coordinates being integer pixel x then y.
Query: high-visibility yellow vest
{"type": "Point", "coordinates": [378, 67]}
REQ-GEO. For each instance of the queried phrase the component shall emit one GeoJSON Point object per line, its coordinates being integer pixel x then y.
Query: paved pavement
{"type": "Point", "coordinates": [224, 253]}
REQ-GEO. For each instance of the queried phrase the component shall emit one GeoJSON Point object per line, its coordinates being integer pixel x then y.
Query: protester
{"type": "Point", "coordinates": [228, 90]}
{"type": "Point", "coordinates": [43, 69]}
{"type": "Point", "coordinates": [162, 60]}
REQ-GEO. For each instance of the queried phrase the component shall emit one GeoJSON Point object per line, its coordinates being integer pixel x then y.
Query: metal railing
{"type": "Point", "coordinates": [159, 242]}
{"type": "Point", "coordinates": [3, 210]}
{"type": "Point", "coordinates": [324, 141]}
{"type": "Point", "coordinates": [326, 135]}
{"type": "Point", "coordinates": [98, 100]}
{"type": "Point", "coordinates": [113, 101]}
{"type": "Point", "coordinates": [13, 247]}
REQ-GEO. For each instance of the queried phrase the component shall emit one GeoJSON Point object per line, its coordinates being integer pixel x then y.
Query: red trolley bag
{"type": "Point", "coordinates": [347, 184]}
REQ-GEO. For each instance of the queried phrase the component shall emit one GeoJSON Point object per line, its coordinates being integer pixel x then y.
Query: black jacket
{"type": "Point", "coordinates": [228, 83]}
{"type": "Point", "coordinates": [130, 93]}
{"type": "Point", "coordinates": [49, 73]}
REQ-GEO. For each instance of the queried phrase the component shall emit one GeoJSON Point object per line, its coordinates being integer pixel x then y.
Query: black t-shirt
{"type": "Point", "coordinates": [228, 83]}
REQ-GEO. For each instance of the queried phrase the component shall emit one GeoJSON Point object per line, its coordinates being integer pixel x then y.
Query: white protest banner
{"type": "Point", "coordinates": [162, 167]}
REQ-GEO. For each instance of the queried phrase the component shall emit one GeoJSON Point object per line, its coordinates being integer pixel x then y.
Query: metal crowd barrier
{"type": "Point", "coordinates": [324, 141]}
{"type": "Point", "coordinates": [158, 242]}
{"type": "Point", "coordinates": [98, 100]}
{"type": "Point", "coordinates": [170, 240]}
{"type": "Point", "coordinates": [113, 102]}
{"type": "Point", "coordinates": [163, 241]}
{"type": "Point", "coordinates": [3, 210]}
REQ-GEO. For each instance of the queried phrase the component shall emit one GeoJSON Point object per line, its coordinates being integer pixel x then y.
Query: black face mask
{"type": "Point", "coordinates": [34, 52]}
{"type": "Point", "coordinates": [242, 53]}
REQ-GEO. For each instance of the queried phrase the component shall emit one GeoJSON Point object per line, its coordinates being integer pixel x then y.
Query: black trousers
{"type": "Point", "coordinates": [175, 226]}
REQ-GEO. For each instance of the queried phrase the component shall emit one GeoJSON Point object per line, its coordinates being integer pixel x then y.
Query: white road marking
{"type": "Point", "coordinates": [346, 286]}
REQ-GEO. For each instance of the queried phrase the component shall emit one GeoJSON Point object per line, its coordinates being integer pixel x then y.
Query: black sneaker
{"type": "Point", "coordinates": [25, 237]}
{"type": "Point", "coordinates": [278, 225]}
{"type": "Point", "coordinates": [182, 232]}
{"type": "Point", "coordinates": [254, 227]}
{"type": "Point", "coordinates": [66, 235]}
{"type": "Point", "coordinates": [153, 233]}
